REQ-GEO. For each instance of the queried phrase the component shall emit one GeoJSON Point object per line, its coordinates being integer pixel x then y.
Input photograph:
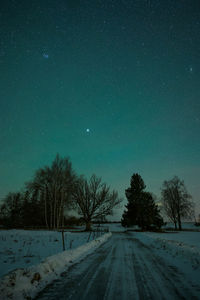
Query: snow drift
{"type": "Point", "coordinates": [26, 283]}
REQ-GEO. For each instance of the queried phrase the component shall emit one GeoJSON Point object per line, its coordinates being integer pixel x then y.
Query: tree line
{"type": "Point", "coordinates": [54, 190]}
{"type": "Point", "coordinates": [57, 189]}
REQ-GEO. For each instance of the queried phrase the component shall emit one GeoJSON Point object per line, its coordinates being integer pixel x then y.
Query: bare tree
{"type": "Point", "coordinates": [94, 199]}
{"type": "Point", "coordinates": [54, 186]}
{"type": "Point", "coordinates": [176, 201]}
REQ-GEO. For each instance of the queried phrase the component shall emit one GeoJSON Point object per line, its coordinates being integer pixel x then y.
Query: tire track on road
{"type": "Point", "coordinates": [123, 268]}
{"type": "Point", "coordinates": [158, 280]}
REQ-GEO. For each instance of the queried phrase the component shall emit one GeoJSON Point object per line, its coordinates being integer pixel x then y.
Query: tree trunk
{"type": "Point", "coordinates": [45, 199]}
{"type": "Point", "coordinates": [88, 226]}
{"type": "Point", "coordinates": [51, 215]}
{"type": "Point", "coordinates": [60, 210]}
{"type": "Point", "coordinates": [179, 223]}
{"type": "Point", "coordinates": [175, 225]}
{"type": "Point", "coordinates": [55, 207]}
{"type": "Point", "coordinates": [179, 217]}
{"type": "Point", "coordinates": [63, 220]}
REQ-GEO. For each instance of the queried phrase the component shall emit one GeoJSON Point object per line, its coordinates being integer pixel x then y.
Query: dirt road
{"type": "Point", "coordinates": [122, 268]}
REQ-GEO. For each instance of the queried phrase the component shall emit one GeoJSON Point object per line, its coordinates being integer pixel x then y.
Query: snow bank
{"type": "Point", "coordinates": [24, 248]}
{"type": "Point", "coordinates": [184, 246]}
{"type": "Point", "coordinates": [177, 249]}
{"type": "Point", "coordinates": [26, 283]}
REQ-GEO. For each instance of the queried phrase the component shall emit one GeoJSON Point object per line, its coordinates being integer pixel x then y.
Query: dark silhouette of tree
{"type": "Point", "coordinates": [93, 199]}
{"type": "Point", "coordinates": [134, 197]}
{"type": "Point", "coordinates": [19, 210]}
{"type": "Point", "coordinates": [53, 186]}
{"type": "Point", "coordinates": [176, 200]}
{"type": "Point", "coordinates": [33, 209]}
{"type": "Point", "coordinates": [11, 210]}
{"type": "Point", "coordinates": [141, 209]}
{"type": "Point", "coordinates": [27, 213]}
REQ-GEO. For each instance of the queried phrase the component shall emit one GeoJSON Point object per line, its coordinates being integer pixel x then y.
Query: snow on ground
{"type": "Point", "coordinates": [181, 244]}
{"type": "Point", "coordinates": [114, 227]}
{"type": "Point", "coordinates": [38, 256]}
{"type": "Point", "coordinates": [23, 248]}
{"type": "Point", "coordinates": [27, 282]}
{"type": "Point", "coordinates": [185, 226]}
{"type": "Point", "coordinates": [189, 239]}
{"type": "Point", "coordinates": [180, 249]}
{"type": "Point", "coordinates": [126, 267]}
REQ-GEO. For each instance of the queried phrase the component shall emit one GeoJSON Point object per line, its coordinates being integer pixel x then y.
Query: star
{"type": "Point", "coordinates": [191, 69]}
{"type": "Point", "coordinates": [88, 130]}
{"type": "Point", "coordinates": [45, 55]}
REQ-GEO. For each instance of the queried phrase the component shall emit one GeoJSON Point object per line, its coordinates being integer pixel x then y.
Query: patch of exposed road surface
{"type": "Point", "coordinates": [122, 268]}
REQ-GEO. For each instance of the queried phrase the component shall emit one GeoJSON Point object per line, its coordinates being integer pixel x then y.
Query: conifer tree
{"type": "Point", "coordinates": [141, 209]}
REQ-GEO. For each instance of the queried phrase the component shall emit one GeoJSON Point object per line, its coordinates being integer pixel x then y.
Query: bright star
{"type": "Point", "coordinates": [45, 55]}
{"type": "Point", "coordinates": [88, 130]}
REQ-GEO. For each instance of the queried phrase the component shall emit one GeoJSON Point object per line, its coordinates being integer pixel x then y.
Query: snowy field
{"type": "Point", "coordinates": [116, 227]}
{"type": "Point", "coordinates": [26, 282]}
{"type": "Point", "coordinates": [25, 253]}
{"type": "Point", "coordinates": [188, 238]}
{"type": "Point", "coordinates": [185, 226]}
{"type": "Point", "coordinates": [146, 267]}
{"type": "Point", "coordinates": [24, 248]}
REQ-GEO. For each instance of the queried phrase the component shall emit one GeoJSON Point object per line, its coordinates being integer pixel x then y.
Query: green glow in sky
{"type": "Point", "coordinates": [114, 85]}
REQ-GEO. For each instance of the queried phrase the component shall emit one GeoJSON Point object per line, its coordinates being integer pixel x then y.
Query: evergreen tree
{"type": "Point", "coordinates": [133, 195]}
{"type": "Point", "coordinates": [141, 209]}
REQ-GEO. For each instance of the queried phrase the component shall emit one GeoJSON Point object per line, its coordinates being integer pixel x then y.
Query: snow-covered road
{"type": "Point", "coordinates": [122, 268]}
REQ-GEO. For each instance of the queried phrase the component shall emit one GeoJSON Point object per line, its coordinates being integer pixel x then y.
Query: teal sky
{"type": "Point", "coordinates": [129, 71]}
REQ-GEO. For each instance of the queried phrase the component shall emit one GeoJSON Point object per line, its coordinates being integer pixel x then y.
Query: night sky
{"type": "Point", "coordinates": [114, 85]}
